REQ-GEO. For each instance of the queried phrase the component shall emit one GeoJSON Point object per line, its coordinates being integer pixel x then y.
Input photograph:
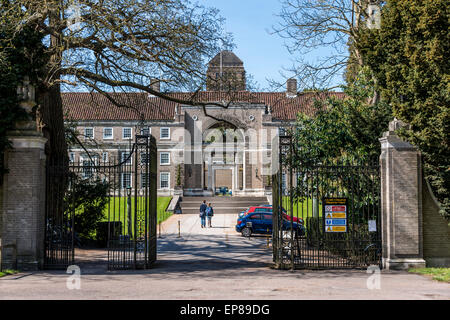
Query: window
{"type": "Point", "coordinates": [164, 180]}
{"type": "Point", "coordinates": [105, 156]}
{"type": "Point", "coordinates": [164, 133]}
{"type": "Point", "coordinates": [144, 180]}
{"type": "Point", "coordinates": [256, 217]}
{"type": "Point", "coordinates": [282, 131]}
{"type": "Point", "coordinates": [283, 181]}
{"type": "Point", "coordinates": [124, 156]}
{"type": "Point", "coordinates": [146, 131]}
{"type": "Point", "coordinates": [88, 166]}
{"type": "Point", "coordinates": [89, 133]}
{"type": "Point", "coordinates": [126, 133]}
{"type": "Point", "coordinates": [107, 133]}
{"type": "Point", "coordinates": [71, 157]}
{"type": "Point", "coordinates": [267, 216]}
{"type": "Point", "coordinates": [126, 180]}
{"type": "Point", "coordinates": [164, 158]}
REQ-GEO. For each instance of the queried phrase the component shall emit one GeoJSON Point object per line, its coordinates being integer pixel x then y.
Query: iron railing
{"type": "Point", "coordinates": [300, 189]}
{"type": "Point", "coordinates": [127, 185]}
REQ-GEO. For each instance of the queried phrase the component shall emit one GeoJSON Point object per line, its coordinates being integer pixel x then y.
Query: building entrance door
{"type": "Point", "coordinates": [223, 178]}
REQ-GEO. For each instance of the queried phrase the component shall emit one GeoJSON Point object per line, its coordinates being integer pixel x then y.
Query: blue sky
{"type": "Point", "coordinates": [250, 21]}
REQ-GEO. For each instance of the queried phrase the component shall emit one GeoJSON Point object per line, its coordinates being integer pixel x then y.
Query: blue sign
{"type": "Point", "coordinates": [336, 222]}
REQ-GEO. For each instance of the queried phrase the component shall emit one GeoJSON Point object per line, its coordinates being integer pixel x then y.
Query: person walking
{"type": "Point", "coordinates": [209, 214]}
{"type": "Point", "coordinates": [203, 208]}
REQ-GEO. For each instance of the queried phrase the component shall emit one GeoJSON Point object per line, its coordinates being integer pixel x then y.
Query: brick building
{"type": "Point", "coordinates": [196, 153]}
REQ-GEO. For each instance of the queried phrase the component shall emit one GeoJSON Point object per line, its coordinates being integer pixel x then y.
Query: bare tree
{"type": "Point", "coordinates": [117, 45]}
{"type": "Point", "coordinates": [309, 25]}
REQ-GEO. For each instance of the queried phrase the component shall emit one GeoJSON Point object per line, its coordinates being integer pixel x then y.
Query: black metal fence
{"type": "Point", "coordinates": [337, 207]}
{"type": "Point", "coordinates": [121, 191]}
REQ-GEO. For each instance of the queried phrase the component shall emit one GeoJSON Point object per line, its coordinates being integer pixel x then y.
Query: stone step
{"type": "Point", "coordinates": [231, 200]}
{"type": "Point", "coordinates": [216, 211]}
{"type": "Point", "coordinates": [226, 199]}
{"type": "Point", "coordinates": [221, 205]}
{"type": "Point", "coordinates": [224, 206]}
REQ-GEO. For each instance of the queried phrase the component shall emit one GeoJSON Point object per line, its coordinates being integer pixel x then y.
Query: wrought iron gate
{"type": "Point", "coordinates": [326, 215]}
{"type": "Point", "coordinates": [124, 189]}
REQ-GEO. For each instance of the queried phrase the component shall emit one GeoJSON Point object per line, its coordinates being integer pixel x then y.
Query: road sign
{"type": "Point", "coordinates": [335, 214]}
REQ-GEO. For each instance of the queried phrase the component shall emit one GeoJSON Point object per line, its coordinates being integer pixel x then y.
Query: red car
{"type": "Point", "coordinates": [268, 208]}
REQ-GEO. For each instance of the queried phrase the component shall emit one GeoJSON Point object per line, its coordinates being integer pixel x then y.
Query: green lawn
{"type": "Point", "coordinates": [304, 208]}
{"type": "Point", "coordinates": [7, 272]}
{"type": "Point", "coordinates": [161, 207]}
{"type": "Point", "coordinates": [439, 274]}
{"type": "Point", "coordinates": [116, 210]}
{"type": "Point", "coordinates": [301, 209]}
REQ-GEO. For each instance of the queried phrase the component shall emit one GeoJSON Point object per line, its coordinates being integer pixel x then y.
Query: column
{"type": "Point", "coordinates": [401, 201]}
{"type": "Point", "coordinates": [24, 197]}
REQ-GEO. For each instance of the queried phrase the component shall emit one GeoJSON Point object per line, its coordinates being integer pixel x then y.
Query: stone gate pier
{"type": "Point", "coordinates": [22, 207]}
{"type": "Point", "coordinates": [414, 234]}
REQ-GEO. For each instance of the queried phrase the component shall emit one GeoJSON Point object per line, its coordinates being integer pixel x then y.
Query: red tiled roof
{"type": "Point", "coordinates": [94, 106]}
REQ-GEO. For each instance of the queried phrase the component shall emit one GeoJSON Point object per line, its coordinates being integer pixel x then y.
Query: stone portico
{"type": "Point", "coordinates": [236, 159]}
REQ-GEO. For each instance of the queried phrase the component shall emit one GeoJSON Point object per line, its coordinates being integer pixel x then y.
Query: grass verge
{"type": "Point", "coordinates": [7, 272]}
{"type": "Point", "coordinates": [439, 274]}
{"type": "Point", "coordinates": [116, 210]}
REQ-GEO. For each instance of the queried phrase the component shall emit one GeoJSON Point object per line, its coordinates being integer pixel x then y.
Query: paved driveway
{"type": "Point", "coordinates": [215, 263]}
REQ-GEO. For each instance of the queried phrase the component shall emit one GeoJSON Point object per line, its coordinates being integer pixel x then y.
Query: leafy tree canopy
{"type": "Point", "coordinates": [344, 129]}
{"type": "Point", "coordinates": [409, 57]}
{"type": "Point", "coordinates": [21, 54]}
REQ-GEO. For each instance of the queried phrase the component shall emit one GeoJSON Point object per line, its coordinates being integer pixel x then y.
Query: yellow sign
{"type": "Point", "coordinates": [336, 229]}
{"type": "Point", "coordinates": [336, 201]}
{"type": "Point", "coordinates": [336, 215]}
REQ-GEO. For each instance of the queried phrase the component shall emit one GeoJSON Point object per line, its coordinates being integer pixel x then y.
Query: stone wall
{"type": "Point", "coordinates": [436, 231]}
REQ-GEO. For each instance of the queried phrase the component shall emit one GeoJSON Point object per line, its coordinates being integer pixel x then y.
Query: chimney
{"type": "Point", "coordinates": [291, 87]}
{"type": "Point", "coordinates": [155, 84]}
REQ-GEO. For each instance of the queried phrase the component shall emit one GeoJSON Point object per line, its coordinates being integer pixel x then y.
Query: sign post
{"type": "Point", "coordinates": [334, 212]}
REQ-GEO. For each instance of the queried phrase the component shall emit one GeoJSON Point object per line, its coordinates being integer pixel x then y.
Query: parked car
{"type": "Point", "coordinates": [242, 213]}
{"type": "Point", "coordinates": [261, 223]}
{"type": "Point", "coordinates": [268, 208]}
